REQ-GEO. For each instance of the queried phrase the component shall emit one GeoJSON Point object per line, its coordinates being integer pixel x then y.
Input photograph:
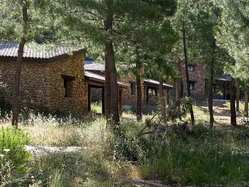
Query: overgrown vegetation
{"type": "Point", "coordinates": [174, 154]}
{"type": "Point", "coordinates": [93, 165]}
{"type": "Point", "coordinates": [13, 156]}
{"type": "Point", "coordinates": [178, 155]}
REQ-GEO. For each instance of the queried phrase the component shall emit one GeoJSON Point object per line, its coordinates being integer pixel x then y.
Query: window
{"type": "Point", "coordinates": [152, 92]}
{"type": "Point", "coordinates": [191, 68]}
{"type": "Point", "coordinates": [68, 85]}
{"type": "Point", "coordinates": [133, 88]}
{"type": "Point", "coordinates": [192, 85]}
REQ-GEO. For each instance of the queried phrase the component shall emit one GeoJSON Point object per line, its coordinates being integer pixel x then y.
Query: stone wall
{"type": "Point", "coordinates": [42, 83]}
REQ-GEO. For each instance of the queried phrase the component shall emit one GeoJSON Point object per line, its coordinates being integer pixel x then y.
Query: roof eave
{"type": "Point", "coordinates": [81, 51]}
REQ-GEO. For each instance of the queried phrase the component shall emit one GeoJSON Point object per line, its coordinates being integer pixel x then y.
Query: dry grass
{"type": "Point", "coordinates": [51, 132]}
{"type": "Point", "coordinates": [84, 135]}
{"type": "Point", "coordinates": [95, 165]}
{"type": "Point", "coordinates": [53, 135]}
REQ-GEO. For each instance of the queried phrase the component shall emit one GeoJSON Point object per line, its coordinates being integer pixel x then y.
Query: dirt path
{"type": "Point", "coordinates": [221, 112]}
{"type": "Point", "coordinates": [39, 151]}
{"type": "Point", "coordinates": [148, 183]}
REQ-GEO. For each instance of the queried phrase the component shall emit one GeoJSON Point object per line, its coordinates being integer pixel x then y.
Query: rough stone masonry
{"type": "Point", "coordinates": [51, 81]}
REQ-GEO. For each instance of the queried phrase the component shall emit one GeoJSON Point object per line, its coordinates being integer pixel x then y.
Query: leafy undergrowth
{"type": "Point", "coordinates": [178, 155]}
{"type": "Point", "coordinates": [13, 156]}
{"type": "Point", "coordinates": [82, 169]}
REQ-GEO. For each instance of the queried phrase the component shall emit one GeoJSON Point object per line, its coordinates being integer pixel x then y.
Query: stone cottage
{"type": "Point", "coordinates": [51, 80]}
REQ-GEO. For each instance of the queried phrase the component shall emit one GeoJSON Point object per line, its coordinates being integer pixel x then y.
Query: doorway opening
{"type": "Point", "coordinates": [96, 99]}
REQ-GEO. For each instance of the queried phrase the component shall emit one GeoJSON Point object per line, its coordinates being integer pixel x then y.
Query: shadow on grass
{"type": "Point", "coordinates": [74, 169]}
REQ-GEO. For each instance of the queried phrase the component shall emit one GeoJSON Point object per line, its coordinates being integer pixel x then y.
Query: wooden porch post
{"type": "Point", "coordinates": [89, 98]}
{"type": "Point", "coordinates": [103, 100]}
{"type": "Point", "coordinates": [120, 101]}
{"type": "Point", "coordinates": [147, 95]}
{"type": "Point", "coordinates": [224, 90]}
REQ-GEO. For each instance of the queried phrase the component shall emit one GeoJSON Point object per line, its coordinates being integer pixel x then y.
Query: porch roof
{"type": "Point", "coordinates": [94, 67]}
{"type": "Point", "coordinates": [157, 83]}
{"type": "Point", "coordinates": [100, 79]}
{"type": "Point", "coordinates": [224, 78]}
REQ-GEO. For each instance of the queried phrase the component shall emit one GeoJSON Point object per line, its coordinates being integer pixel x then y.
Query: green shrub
{"type": "Point", "coordinates": [58, 168]}
{"type": "Point", "coordinates": [69, 169]}
{"type": "Point", "coordinates": [198, 157]}
{"type": "Point", "coordinates": [12, 146]}
{"type": "Point", "coordinates": [56, 180]}
{"type": "Point", "coordinates": [188, 156]}
{"type": "Point", "coordinates": [197, 163]}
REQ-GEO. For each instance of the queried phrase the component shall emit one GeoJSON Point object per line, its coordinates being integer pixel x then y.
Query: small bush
{"type": "Point", "coordinates": [14, 157]}
{"type": "Point", "coordinates": [197, 157]}
{"type": "Point", "coordinates": [188, 156]}
{"type": "Point", "coordinates": [198, 164]}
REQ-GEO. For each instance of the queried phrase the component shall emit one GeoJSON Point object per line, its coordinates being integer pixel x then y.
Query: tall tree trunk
{"type": "Point", "coordinates": [178, 84]}
{"type": "Point", "coordinates": [111, 87]}
{"type": "Point", "coordinates": [232, 103]}
{"type": "Point", "coordinates": [237, 85]}
{"type": "Point", "coordinates": [162, 102]}
{"type": "Point", "coordinates": [139, 91]}
{"type": "Point", "coordinates": [178, 89]}
{"type": "Point", "coordinates": [17, 100]}
{"type": "Point", "coordinates": [246, 102]}
{"type": "Point", "coordinates": [187, 73]}
{"type": "Point", "coordinates": [211, 89]}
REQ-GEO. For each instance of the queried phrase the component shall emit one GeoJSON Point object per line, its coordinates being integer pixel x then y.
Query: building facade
{"type": "Point", "coordinates": [128, 88]}
{"type": "Point", "coordinates": [51, 80]}
{"type": "Point", "coordinates": [199, 83]}
{"type": "Point", "coordinates": [197, 80]}
{"type": "Point", "coordinates": [149, 92]}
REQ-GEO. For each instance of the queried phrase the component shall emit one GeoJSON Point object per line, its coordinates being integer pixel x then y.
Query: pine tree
{"type": "Point", "coordinates": [184, 26]}
{"type": "Point", "coordinates": [161, 65]}
{"type": "Point", "coordinates": [102, 21]}
{"type": "Point", "coordinates": [233, 36]}
{"type": "Point", "coordinates": [204, 25]}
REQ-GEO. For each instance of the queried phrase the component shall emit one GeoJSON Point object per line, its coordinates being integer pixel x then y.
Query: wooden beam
{"type": "Point", "coordinates": [89, 98]}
